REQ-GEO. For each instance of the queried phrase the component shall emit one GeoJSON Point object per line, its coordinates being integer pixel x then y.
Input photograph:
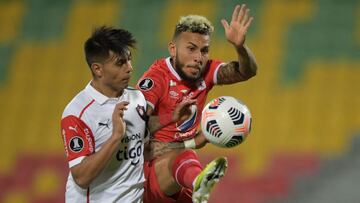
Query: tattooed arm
{"type": "Point", "coordinates": [235, 33]}
{"type": "Point", "coordinates": [237, 71]}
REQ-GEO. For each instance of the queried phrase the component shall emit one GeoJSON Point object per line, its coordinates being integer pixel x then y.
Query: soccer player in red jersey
{"type": "Point", "coordinates": [187, 75]}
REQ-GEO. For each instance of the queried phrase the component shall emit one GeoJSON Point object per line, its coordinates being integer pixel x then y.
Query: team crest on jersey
{"type": "Point", "coordinates": [146, 84]}
{"type": "Point", "coordinates": [141, 112]}
{"type": "Point", "coordinates": [76, 144]}
{"type": "Point", "coordinates": [105, 123]}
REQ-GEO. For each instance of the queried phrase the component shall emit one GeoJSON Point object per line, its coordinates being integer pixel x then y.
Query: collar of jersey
{"type": "Point", "coordinates": [171, 68]}
{"type": "Point", "coordinates": [97, 96]}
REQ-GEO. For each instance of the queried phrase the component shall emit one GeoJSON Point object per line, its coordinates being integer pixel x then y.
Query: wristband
{"type": "Point", "coordinates": [190, 144]}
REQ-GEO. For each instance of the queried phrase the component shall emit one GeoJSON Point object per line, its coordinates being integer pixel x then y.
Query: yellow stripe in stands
{"type": "Point", "coordinates": [11, 13]}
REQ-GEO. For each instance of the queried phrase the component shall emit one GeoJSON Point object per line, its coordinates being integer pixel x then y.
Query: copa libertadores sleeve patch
{"type": "Point", "coordinates": [146, 84]}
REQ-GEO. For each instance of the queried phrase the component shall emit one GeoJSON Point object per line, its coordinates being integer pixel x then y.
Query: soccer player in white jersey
{"type": "Point", "coordinates": [104, 126]}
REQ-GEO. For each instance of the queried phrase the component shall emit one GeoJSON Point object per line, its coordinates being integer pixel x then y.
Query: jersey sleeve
{"type": "Point", "coordinates": [78, 139]}
{"type": "Point", "coordinates": [151, 85]}
{"type": "Point", "coordinates": [211, 76]}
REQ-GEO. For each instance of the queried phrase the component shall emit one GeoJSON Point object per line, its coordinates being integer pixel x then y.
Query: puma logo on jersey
{"type": "Point", "coordinates": [106, 123]}
{"type": "Point", "coordinates": [73, 128]}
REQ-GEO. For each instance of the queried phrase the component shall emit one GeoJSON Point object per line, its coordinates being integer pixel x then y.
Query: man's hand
{"type": "Point", "coordinates": [235, 32]}
{"type": "Point", "coordinates": [183, 110]}
{"type": "Point", "coordinates": [200, 140]}
{"type": "Point", "coordinates": [119, 125]}
{"type": "Point", "coordinates": [91, 166]}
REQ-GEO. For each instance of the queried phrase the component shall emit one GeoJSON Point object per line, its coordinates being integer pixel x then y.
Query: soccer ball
{"type": "Point", "coordinates": [225, 121]}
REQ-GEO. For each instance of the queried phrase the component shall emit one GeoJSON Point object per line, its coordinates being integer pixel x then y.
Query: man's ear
{"type": "Point", "coordinates": [97, 70]}
{"type": "Point", "coordinates": [172, 49]}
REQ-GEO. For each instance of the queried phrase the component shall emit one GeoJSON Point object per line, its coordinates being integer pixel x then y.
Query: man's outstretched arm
{"type": "Point", "coordinates": [235, 32]}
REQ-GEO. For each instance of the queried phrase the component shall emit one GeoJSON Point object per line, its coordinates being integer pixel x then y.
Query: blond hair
{"type": "Point", "coordinates": [195, 24]}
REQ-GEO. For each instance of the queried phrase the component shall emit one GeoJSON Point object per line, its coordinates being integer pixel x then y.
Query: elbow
{"type": "Point", "coordinates": [254, 68]}
{"type": "Point", "coordinates": [80, 179]}
{"type": "Point", "coordinates": [249, 72]}
{"type": "Point", "coordinates": [252, 72]}
{"type": "Point", "coordinates": [82, 182]}
{"type": "Point", "coordinates": [248, 75]}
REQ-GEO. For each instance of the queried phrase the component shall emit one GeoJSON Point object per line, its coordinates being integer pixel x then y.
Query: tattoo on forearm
{"type": "Point", "coordinates": [176, 145]}
{"type": "Point", "coordinates": [234, 72]}
{"type": "Point", "coordinates": [230, 73]}
{"type": "Point", "coordinates": [153, 123]}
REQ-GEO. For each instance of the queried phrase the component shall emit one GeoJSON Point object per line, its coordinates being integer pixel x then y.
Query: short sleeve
{"type": "Point", "coordinates": [152, 87]}
{"type": "Point", "coordinates": [211, 76]}
{"type": "Point", "coordinates": [78, 139]}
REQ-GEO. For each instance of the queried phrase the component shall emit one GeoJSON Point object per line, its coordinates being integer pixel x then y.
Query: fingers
{"type": "Point", "coordinates": [189, 102]}
{"type": "Point", "coordinates": [245, 16]}
{"type": "Point", "coordinates": [248, 23]}
{"type": "Point", "coordinates": [123, 103]}
{"type": "Point", "coordinates": [225, 24]}
{"type": "Point", "coordinates": [120, 108]}
{"type": "Point", "coordinates": [241, 15]}
{"type": "Point", "coordinates": [236, 13]}
{"type": "Point", "coordinates": [186, 103]}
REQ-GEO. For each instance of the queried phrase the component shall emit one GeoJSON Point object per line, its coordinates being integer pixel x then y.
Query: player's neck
{"type": "Point", "coordinates": [105, 90]}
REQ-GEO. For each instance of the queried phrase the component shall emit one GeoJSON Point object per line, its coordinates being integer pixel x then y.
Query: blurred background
{"type": "Point", "coordinates": [305, 100]}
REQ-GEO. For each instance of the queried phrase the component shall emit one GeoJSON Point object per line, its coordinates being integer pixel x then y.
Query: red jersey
{"type": "Point", "coordinates": [164, 89]}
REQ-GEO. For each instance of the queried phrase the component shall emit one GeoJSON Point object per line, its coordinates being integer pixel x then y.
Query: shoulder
{"type": "Point", "coordinates": [135, 93]}
{"type": "Point", "coordinates": [214, 63]}
{"type": "Point", "coordinates": [159, 63]}
{"type": "Point", "coordinates": [157, 69]}
{"type": "Point", "coordinates": [77, 104]}
{"type": "Point", "coordinates": [212, 68]}
{"type": "Point", "coordinates": [155, 76]}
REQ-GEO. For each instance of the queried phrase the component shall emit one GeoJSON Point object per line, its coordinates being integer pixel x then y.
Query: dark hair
{"type": "Point", "coordinates": [105, 39]}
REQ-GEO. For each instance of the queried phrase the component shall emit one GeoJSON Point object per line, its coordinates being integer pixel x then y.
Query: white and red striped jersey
{"type": "Point", "coordinates": [86, 124]}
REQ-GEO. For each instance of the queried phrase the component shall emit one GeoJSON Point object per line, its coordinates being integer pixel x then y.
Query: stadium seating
{"type": "Point", "coordinates": [304, 100]}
